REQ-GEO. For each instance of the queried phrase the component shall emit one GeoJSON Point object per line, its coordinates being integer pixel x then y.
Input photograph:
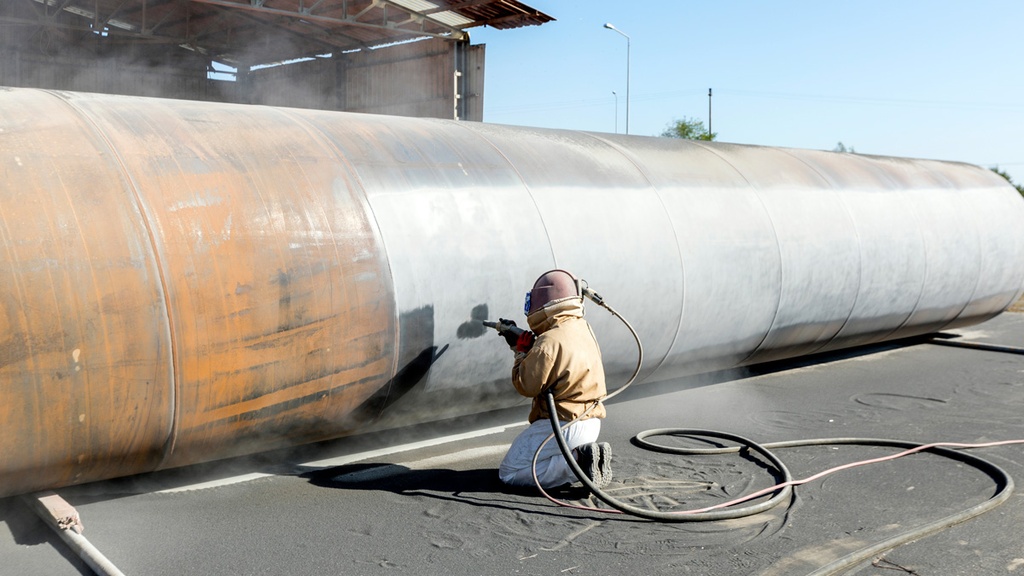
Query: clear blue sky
{"type": "Point", "coordinates": [936, 79]}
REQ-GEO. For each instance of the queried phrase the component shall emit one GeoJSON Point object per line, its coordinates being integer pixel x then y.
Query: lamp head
{"type": "Point", "coordinates": [609, 26]}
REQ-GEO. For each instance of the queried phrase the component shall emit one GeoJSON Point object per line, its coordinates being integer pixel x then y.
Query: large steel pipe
{"type": "Point", "coordinates": [185, 281]}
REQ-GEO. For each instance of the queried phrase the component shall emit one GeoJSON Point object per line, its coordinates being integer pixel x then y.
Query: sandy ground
{"type": "Point", "coordinates": [357, 507]}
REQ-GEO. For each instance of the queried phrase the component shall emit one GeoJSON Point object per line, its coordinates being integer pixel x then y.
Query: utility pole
{"type": "Point", "coordinates": [709, 112]}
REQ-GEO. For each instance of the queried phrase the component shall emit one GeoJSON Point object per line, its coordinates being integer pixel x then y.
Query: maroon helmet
{"type": "Point", "coordinates": [552, 285]}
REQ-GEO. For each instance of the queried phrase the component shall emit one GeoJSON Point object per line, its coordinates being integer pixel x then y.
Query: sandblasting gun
{"type": "Point", "coordinates": [518, 339]}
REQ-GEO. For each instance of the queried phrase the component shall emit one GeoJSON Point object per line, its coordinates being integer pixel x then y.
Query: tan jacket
{"type": "Point", "coordinates": [566, 358]}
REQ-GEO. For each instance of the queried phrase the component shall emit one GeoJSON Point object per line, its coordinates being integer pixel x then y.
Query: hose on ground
{"type": "Point", "coordinates": [782, 491]}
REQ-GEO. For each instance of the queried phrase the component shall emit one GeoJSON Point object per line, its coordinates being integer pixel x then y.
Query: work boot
{"type": "Point", "coordinates": [604, 462]}
{"type": "Point", "coordinates": [589, 457]}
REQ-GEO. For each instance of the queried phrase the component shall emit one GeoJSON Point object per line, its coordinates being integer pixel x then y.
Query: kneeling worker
{"type": "Point", "coordinates": [564, 358]}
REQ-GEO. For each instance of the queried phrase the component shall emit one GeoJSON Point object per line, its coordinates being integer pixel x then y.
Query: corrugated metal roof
{"type": "Point", "coordinates": [261, 31]}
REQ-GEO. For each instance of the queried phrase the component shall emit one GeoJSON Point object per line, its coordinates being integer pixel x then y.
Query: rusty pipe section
{"type": "Point", "coordinates": [185, 281]}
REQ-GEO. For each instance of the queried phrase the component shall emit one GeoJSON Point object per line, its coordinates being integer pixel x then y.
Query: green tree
{"type": "Point", "coordinates": [688, 129]}
{"type": "Point", "coordinates": [1008, 179]}
{"type": "Point", "coordinates": [840, 147]}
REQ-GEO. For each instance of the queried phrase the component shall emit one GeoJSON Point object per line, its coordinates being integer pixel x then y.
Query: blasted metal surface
{"type": "Point", "coordinates": [186, 281]}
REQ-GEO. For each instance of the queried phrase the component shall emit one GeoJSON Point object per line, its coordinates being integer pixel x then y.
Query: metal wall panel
{"type": "Point", "coordinates": [310, 84]}
{"type": "Point", "coordinates": [415, 79]}
{"type": "Point", "coordinates": [411, 80]}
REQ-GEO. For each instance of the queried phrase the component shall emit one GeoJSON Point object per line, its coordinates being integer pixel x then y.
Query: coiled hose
{"type": "Point", "coordinates": [781, 491]}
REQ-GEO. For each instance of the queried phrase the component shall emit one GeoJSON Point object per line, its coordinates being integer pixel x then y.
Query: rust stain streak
{"type": "Point", "coordinates": [294, 396]}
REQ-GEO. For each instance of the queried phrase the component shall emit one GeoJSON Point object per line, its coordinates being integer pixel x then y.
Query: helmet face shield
{"type": "Point", "coordinates": [552, 285]}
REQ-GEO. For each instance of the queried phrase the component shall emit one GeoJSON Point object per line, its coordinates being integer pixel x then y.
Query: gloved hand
{"type": "Point", "coordinates": [518, 339]}
{"type": "Point", "coordinates": [509, 330]}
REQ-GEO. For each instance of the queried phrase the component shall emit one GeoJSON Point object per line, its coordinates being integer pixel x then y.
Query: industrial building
{"type": "Point", "coordinates": [397, 57]}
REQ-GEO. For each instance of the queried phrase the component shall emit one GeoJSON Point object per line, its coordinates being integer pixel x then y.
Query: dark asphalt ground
{"type": "Point", "coordinates": [339, 508]}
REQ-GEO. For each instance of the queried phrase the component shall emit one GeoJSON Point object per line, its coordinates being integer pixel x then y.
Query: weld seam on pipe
{"type": "Point", "coordinates": [146, 216]}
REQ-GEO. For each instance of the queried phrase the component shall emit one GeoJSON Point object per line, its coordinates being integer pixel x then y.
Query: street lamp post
{"type": "Point", "coordinates": [709, 111]}
{"type": "Point", "coordinates": [626, 36]}
{"type": "Point", "coordinates": [614, 93]}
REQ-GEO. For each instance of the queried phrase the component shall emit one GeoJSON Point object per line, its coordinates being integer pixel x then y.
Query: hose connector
{"type": "Point", "coordinates": [593, 296]}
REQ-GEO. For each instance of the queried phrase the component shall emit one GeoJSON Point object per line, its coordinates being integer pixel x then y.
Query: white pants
{"type": "Point", "coordinates": [552, 470]}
